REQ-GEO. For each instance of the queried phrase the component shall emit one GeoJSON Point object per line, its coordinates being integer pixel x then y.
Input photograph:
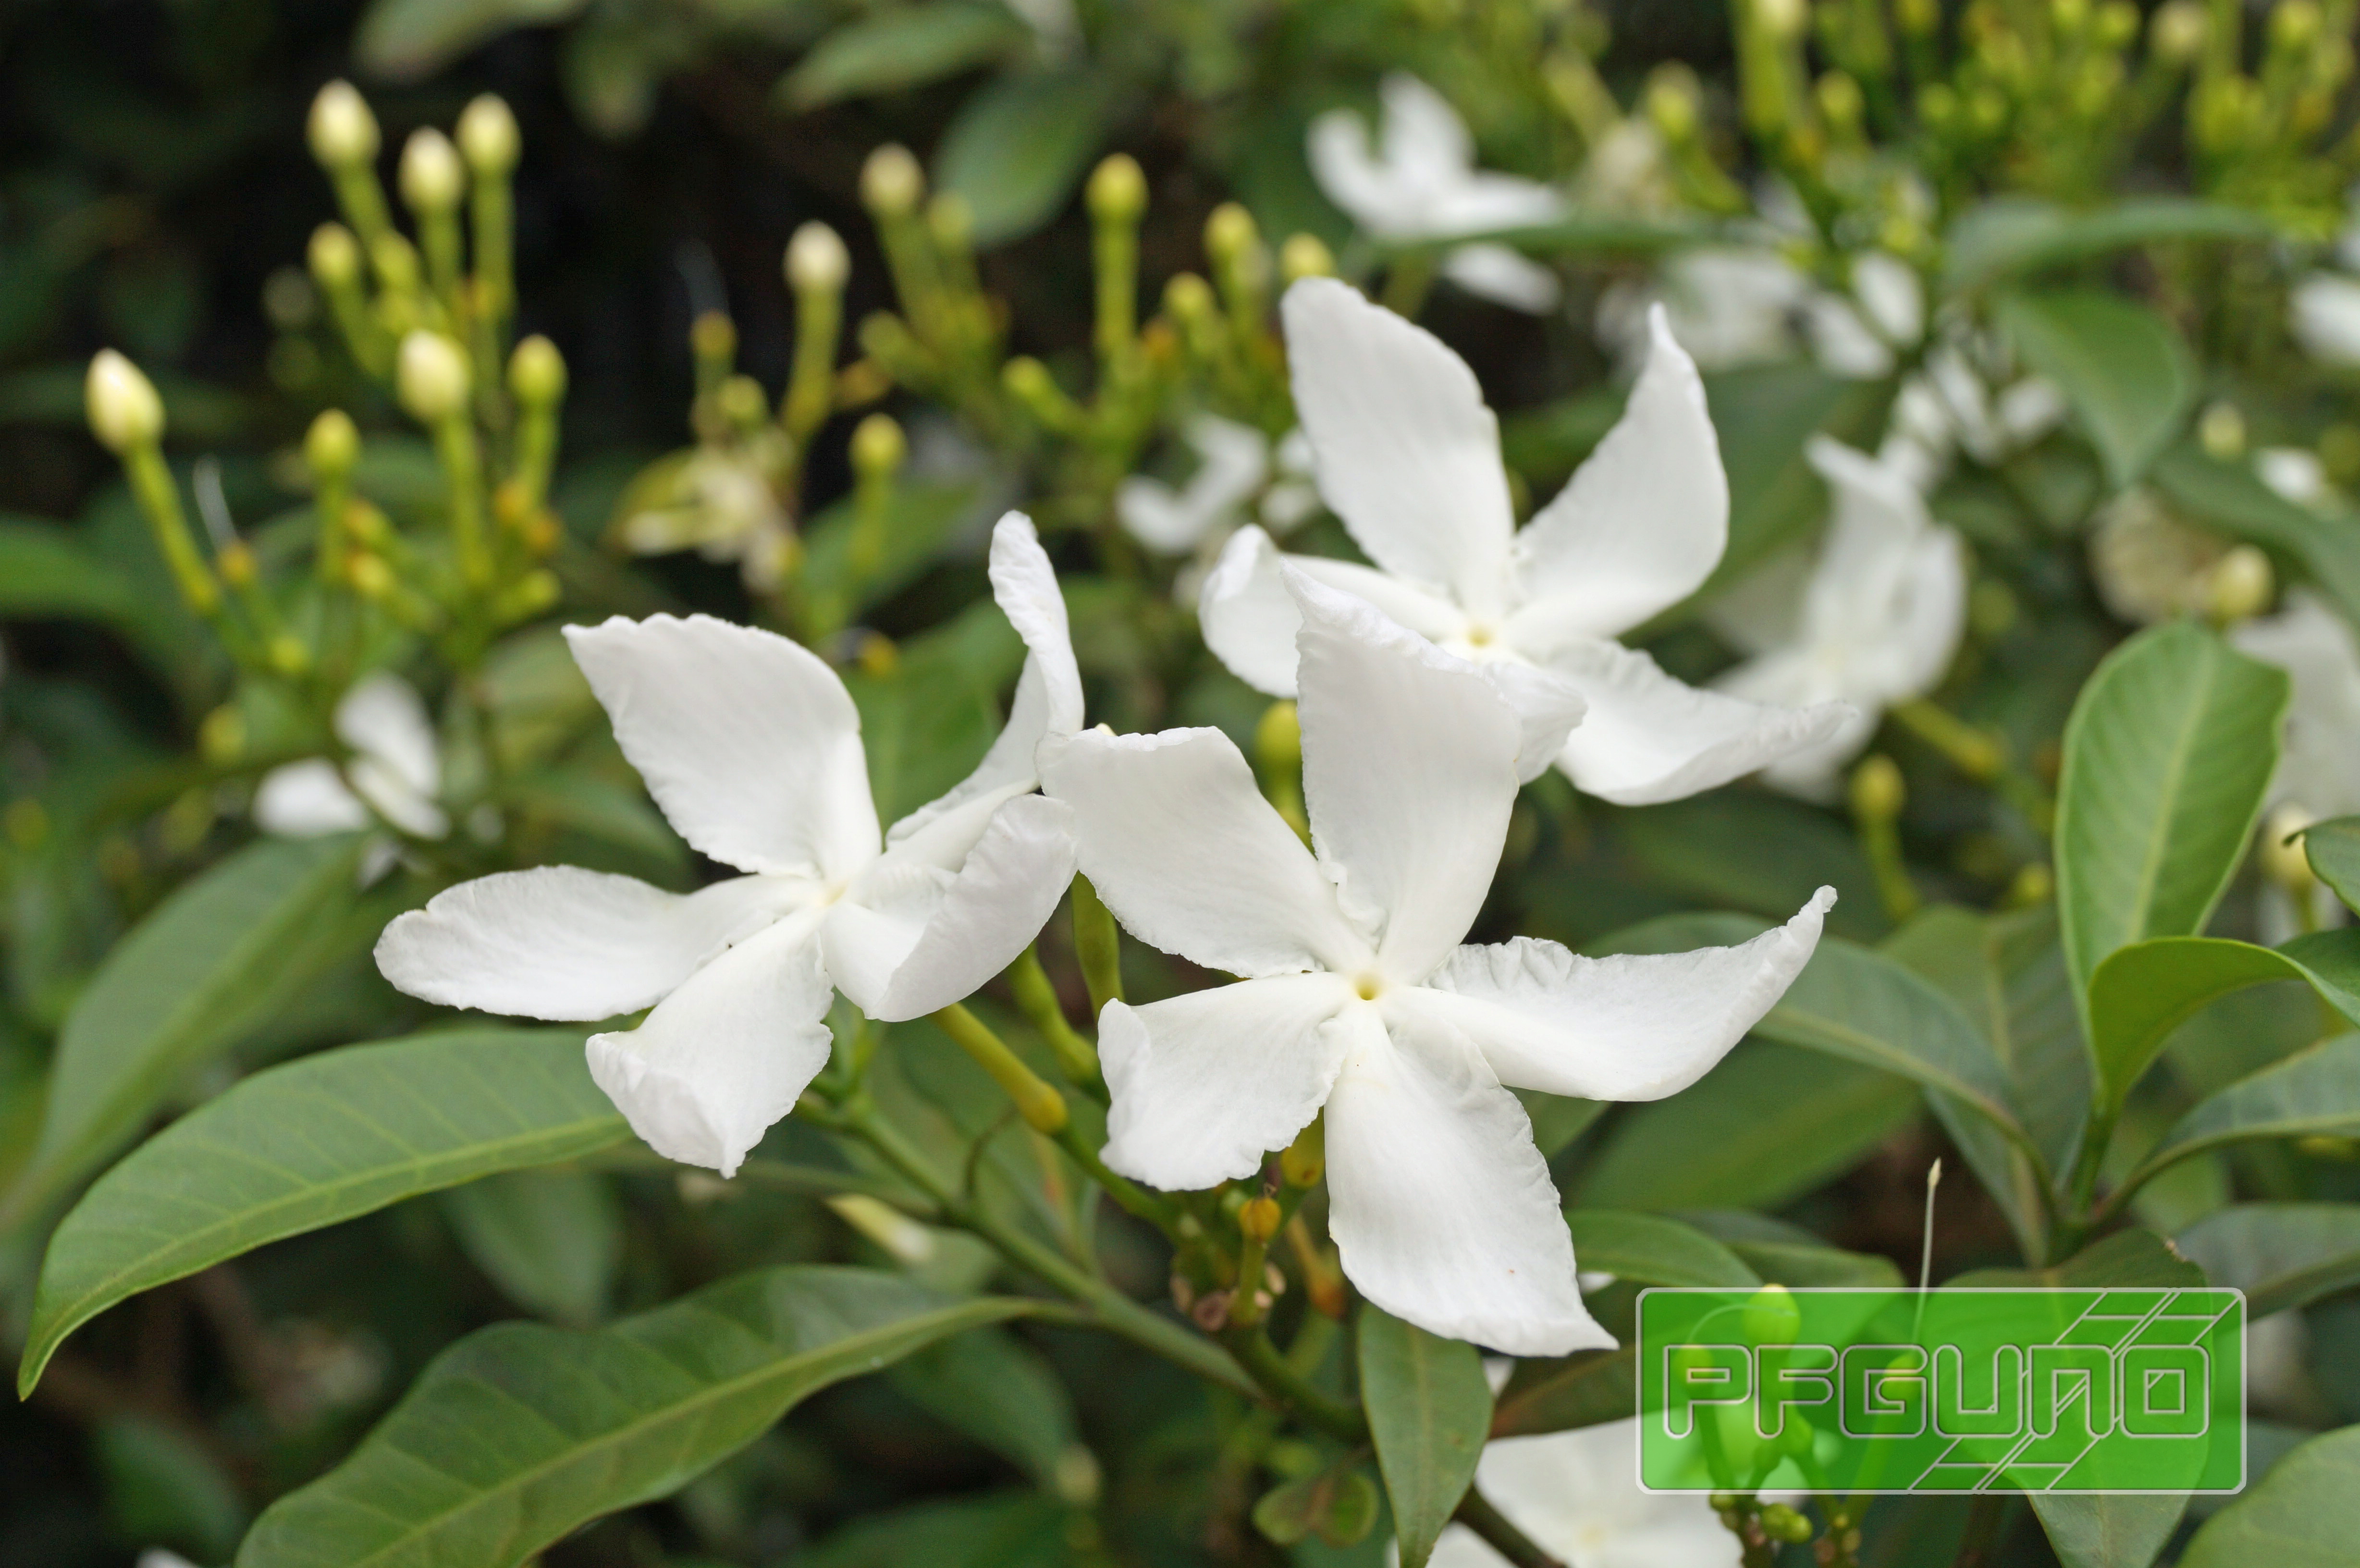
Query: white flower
{"type": "Point", "coordinates": [2296, 474]}
{"type": "Point", "coordinates": [1421, 183]}
{"type": "Point", "coordinates": [1356, 996]}
{"type": "Point", "coordinates": [1577, 1495]}
{"type": "Point", "coordinates": [2324, 312]}
{"type": "Point", "coordinates": [1727, 306]}
{"type": "Point", "coordinates": [752, 747]}
{"type": "Point", "coordinates": [1233, 468]}
{"type": "Point", "coordinates": [1857, 334]}
{"type": "Point", "coordinates": [2319, 767]}
{"type": "Point", "coordinates": [1408, 457]}
{"type": "Point", "coordinates": [396, 770]}
{"type": "Point", "coordinates": [1875, 622]}
{"type": "Point", "coordinates": [720, 501]}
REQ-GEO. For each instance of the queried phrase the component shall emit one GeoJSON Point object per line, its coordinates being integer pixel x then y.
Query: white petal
{"type": "Point", "coordinates": [1577, 1494]}
{"type": "Point", "coordinates": [1171, 831]}
{"type": "Point", "coordinates": [1546, 706]}
{"type": "Point", "coordinates": [562, 943]}
{"type": "Point", "coordinates": [1203, 1086]}
{"type": "Point", "coordinates": [1409, 772]}
{"type": "Point", "coordinates": [2324, 312]}
{"type": "Point", "coordinates": [1426, 142]}
{"type": "Point", "coordinates": [1887, 600]}
{"type": "Point", "coordinates": [942, 940]}
{"type": "Point", "coordinates": [1250, 620]}
{"type": "Point", "coordinates": [384, 719]}
{"type": "Point", "coordinates": [1647, 738]}
{"type": "Point", "coordinates": [1408, 456]}
{"type": "Point", "coordinates": [1337, 146]}
{"type": "Point", "coordinates": [307, 799]}
{"type": "Point", "coordinates": [1628, 1027]}
{"type": "Point", "coordinates": [1644, 521]}
{"type": "Point", "coordinates": [749, 743]}
{"type": "Point", "coordinates": [1440, 1205]}
{"type": "Point", "coordinates": [1503, 276]}
{"type": "Point", "coordinates": [1159, 517]}
{"type": "Point", "coordinates": [2319, 768]}
{"type": "Point", "coordinates": [1842, 341]}
{"type": "Point", "coordinates": [725, 1055]}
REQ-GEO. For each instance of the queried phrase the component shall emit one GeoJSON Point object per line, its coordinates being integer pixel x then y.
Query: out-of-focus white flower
{"type": "Point", "coordinates": [1235, 467]}
{"type": "Point", "coordinates": [1420, 182]}
{"type": "Point", "coordinates": [2295, 474]}
{"type": "Point", "coordinates": [1859, 332]}
{"type": "Point", "coordinates": [2319, 766]}
{"type": "Point", "coordinates": [1356, 995]}
{"type": "Point", "coordinates": [2323, 311]}
{"type": "Point", "coordinates": [395, 772]}
{"type": "Point", "coordinates": [751, 746]}
{"type": "Point", "coordinates": [2147, 564]}
{"type": "Point", "coordinates": [1408, 457]}
{"type": "Point", "coordinates": [1875, 622]}
{"type": "Point", "coordinates": [1727, 306]}
{"type": "Point", "coordinates": [1576, 1494]}
{"type": "Point", "coordinates": [719, 502]}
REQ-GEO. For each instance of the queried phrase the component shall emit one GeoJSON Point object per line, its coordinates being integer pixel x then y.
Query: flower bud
{"type": "Point", "coordinates": [1258, 1220]}
{"type": "Point", "coordinates": [2221, 430]}
{"type": "Point", "coordinates": [1780, 1522]}
{"type": "Point", "coordinates": [951, 220]}
{"type": "Point", "coordinates": [432, 178]}
{"type": "Point", "coordinates": [713, 335]}
{"type": "Point", "coordinates": [1782, 19]}
{"type": "Point", "coordinates": [1306, 1159]}
{"type": "Point", "coordinates": [1772, 1317]}
{"type": "Point", "coordinates": [334, 255]}
{"type": "Point", "coordinates": [221, 736]}
{"type": "Point", "coordinates": [2118, 23]}
{"type": "Point", "coordinates": [332, 445]}
{"type": "Point", "coordinates": [878, 447]}
{"type": "Point", "coordinates": [1877, 792]}
{"type": "Point", "coordinates": [2284, 858]}
{"type": "Point", "coordinates": [371, 577]}
{"type": "Point", "coordinates": [1672, 105]}
{"type": "Point", "coordinates": [343, 132]}
{"type": "Point", "coordinates": [1228, 232]}
{"type": "Point", "coordinates": [487, 135]}
{"type": "Point", "coordinates": [2178, 30]}
{"type": "Point", "coordinates": [1304, 255]}
{"type": "Point", "coordinates": [2294, 25]}
{"type": "Point", "coordinates": [2239, 584]}
{"type": "Point", "coordinates": [817, 260]}
{"type": "Point", "coordinates": [537, 373]}
{"type": "Point", "coordinates": [124, 412]}
{"type": "Point", "coordinates": [1839, 101]}
{"type": "Point", "coordinates": [1188, 297]}
{"type": "Point", "coordinates": [431, 377]}
{"type": "Point", "coordinates": [892, 183]}
{"type": "Point", "coordinates": [1278, 739]}
{"type": "Point", "coordinates": [1118, 190]}
{"type": "Point", "coordinates": [742, 402]}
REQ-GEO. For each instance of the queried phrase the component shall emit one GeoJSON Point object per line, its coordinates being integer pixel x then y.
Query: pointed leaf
{"type": "Point", "coordinates": [520, 1433]}
{"type": "Point", "coordinates": [1017, 148]}
{"type": "Point", "coordinates": [997, 1389]}
{"type": "Point", "coordinates": [2304, 1514]}
{"type": "Point", "coordinates": [908, 46]}
{"type": "Point", "coordinates": [405, 40]}
{"type": "Point", "coordinates": [2280, 1255]}
{"type": "Point", "coordinates": [1586, 1388]}
{"type": "Point", "coordinates": [549, 1239]}
{"type": "Point", "coordinates": [1653, 1250]}
{"type": "Point", "coordinates": [2108, 1531]}
{"type": "Point", "coordinates": [2122, 367]}
{"type": "Point", "coordinates": [2143, 992]}
{"type": "Point", "coordinates": [2313, 1092]}
{"type": "Point", "coordinates": [2010, 235]}
{"type": "Point", "coordinates": [1429, 1408]}
{"type": "Point", "coordinates": [2127, 1259]}
{"type": "Point", "coordinates": [2334, 850]}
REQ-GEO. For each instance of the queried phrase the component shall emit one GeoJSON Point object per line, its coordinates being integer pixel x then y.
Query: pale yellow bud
{"type": "Point", "coordinates": [537, 373]}
{"type": "Point", "coordinates": [487, 135]}
{"type": "Point", "coordinates": [1229, 231]}
{"type": "Point", "coordinates": [1877, 790]}
{"type": "Point", "coordinates": [124, 412]}
{"type": "Point", "coordinates": [1304, 255]}
{"type": "Point", "coordinates": [335, 255]}
{"type": "Point", "coordinates": [2294, 25]}
{"type": "Point", "coordinates": [1188, 297]}
{"type": "Point", "coordinates": [1258, 1219]}
{"type": "Point", "coordinates": [1118, 190]}
{"type": "Point", "coordinates": [877, 446]}
{"type": "Point", "coordinates": [2221, 430]}
{"type": "Point", "coordinates": [2240, 584]}
{"type": "Point", "coordinates": [892, 183]}
{"type": "Point", "coordinates": [430, 376]}
{"type": "Point", "coordinates": [817, 260]}
{"type": "Point", "coordinates": [1782, 19]}
{"type": "Point", "coordinates": [332, 445]}
{"type": "Point", "coordinates": [2285, 863]}
{"type": "Point", "coordinates": [1772, 1317]}
{"type": "Point", "coordinates": [2178, 31]}
{"type": "Point", "coordinates": [343, 132]}
{"type": "Point", "coordinates": [432, 178]}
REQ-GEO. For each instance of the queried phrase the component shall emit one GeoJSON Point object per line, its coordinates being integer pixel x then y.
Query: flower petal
{"type": "Point", "coordinates": [933, 935]}
{"type": "Point", "coordinates": [1647, 738]}
{"type": "Point", "coordinates": [1629, 1027]}
{"type": "Point", "coordinates": [725, 1055]}
{"type": "Point", "coordinates": [1503, 276]}
{"type": "Point", "coordinates": [1577, 1494]}
{"type": "Point", "coordinates": [307, 799]}
{"type": "Point", "coordinates": [1407, 455]}
{"type": "Point", "coordinates": [384, 720]}
{"type": "Point", "coordinates": [1644, 521]}
{"type": "Point", "coordinates": [749, 743]}
{"type": "Point", "coordinates": [2319, 767]}
{"type": "Point", "coordinates": [1440, 1204]}
{"type": "Point", "coordinates": [562, 943]}
{"type": "Point", "coordinates": [1409, 771]}
{"type": "Point", "coordinates": [1205, 1084]}
{"type": "Point", "coordinates": [1250, 620]}
{"type": "Point", "coordinates": [1171, 831]}
{"type": "Point", "coordinates": [1547, 708]}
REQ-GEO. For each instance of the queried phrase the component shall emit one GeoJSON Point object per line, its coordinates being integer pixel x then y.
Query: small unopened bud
{"type": "Point", "coordinates": [432, 178]}
{"type": "Point", "coordinates": [1772, 1317]}
{"type": "Point", "coordinates": [1258, 1220]}
{"type": "Point", "coordinates": [397, 262]}
{"type": "Point", "coordinates": [1918, 18]}
{"type": "Point", "coordinates": [1188, 297]}
{"type": "Point", "coordinates": [1781, 1522]}
{"type": "Point", "coordinates": [371, 577]}
{"type": "Point", "coordinates": [2284, 858]}
{"type": "Point", "coordinates": [1672, 105]}
{"type": "Point", "coordinates": [892, 183]}
{"type": "Point", "coordinates": [537, 373]}
{"type": "Point", "coordinates": [221, 736]}
{"type": "Point", "coordinates": [334, 255]}
{"type": "Point", "coordinates": [817, 260]}
{"type": "Point", "coordinates": [487, 135]}
{"type": "Point", "coordinates": [1278, 739]}
{"type": "Point", "coordinates": [2239, 584]}
{"type": "Point", "coordinates": [2178, 30]}
{"type": "Point", "coordinates": [2294, 25]}
{"type": "Point", "coordinates": [1228, 232]}
{"type": "Point", "coordinates": [2221, 430]}
{"type": "Point", "coordinates": [124, 412]}
{"type": "Point", "coordinates": [878, 447]}
{"type": "Point", "coordinates": [431, 377]}
{"type": "Point", "coordinates": [1304, 255]}
{"type": "Point", "coordinates": [1118, 190]}
{"type": "Point", "coordinates": [332, 445]}
{"type": "Point", "coordinates": [2117, 25]}
{"type": "Point", "coordinates": [1782, 19]}
{"type": "Point", "coordinates": [713, 335]}
{"type": "Point", "coordinates": [742, 402]}
{"type": "Point", "coordinates": [1305, 1159]}
{"type": "Point", "coordinates": [1877, 792]}
{"type": "Point", "coordinates": [341, 131]}
{"type": "Point", "coordinates": [235, 560]}
{"type": "Point", "coordinates": [1839, 101]}
{"type": "Point", "coordinates": [287, 654]}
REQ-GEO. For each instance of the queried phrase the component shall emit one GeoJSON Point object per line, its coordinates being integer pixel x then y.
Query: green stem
{"type": "Point", "coordinates": [1337, 1418]}
{"type": "Point", "coordinates": [1077, 1057]}
{"type": "Point", "coordinates": [1478, 1514]}
{"type": "Point", "coordinates": [1132, 1198]}
{"type": "Point", "coordinates": [1043, 1108]}
{"type": "Point", "coordinates": [1098, 945]}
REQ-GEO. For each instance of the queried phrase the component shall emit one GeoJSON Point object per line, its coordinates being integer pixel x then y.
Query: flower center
{"type": "Point", "coordinates": [1368, 986]}
{"type": "Point", "coordinates": [1479, 635]}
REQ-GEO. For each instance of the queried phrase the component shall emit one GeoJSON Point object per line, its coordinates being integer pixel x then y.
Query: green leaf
{"type": "Point", "coordinates": [2231, 496]}
{"type": "Point", "coordinates": [909, 46]}
{"type": "Point", "coordinates": [2126, 1260]}
{"type": "Point", "coordinates": [1016, 150]}
{"type": "Point", "coordinates": [162, 1487]}
{"type": "Point", "coordinates": [1586, 1388]}
{"type": "Point", "coordinates": [2122, 367]}
{"type": "Point", "coordinates": [311, 1144]}
{"type": "Point", "coordinates": [927, 724]}
{"type": "Point", "coordinates": [2280, 1255]}
{"type": "Point", "coordinates": [2334, 850]}
{"type": "Point", "coordinates": [1653, 1250]}
{"type": "Point", "coordinates": [402, 40]}
{"type": "Point", "coordinates": [2140, 994]}
{"type": "Point", "coordinates": [520, 1433]}
{"type": "Point", "coordinates": [44, 573]}
{"type": "Point", "coordinates": [1788, 1254]}
{"type": "Point", "coordinates": [2313, 1092]}
{"type": "Point", "coordinates": [1339, 1505]}
{"type": "Point", "coordinates": [549, 1239]}
{"type": "Point", "coordinates": [998, 1390]}
{"type": "Point", "coordinates": [1756, 852]}
{"type": "Point", "coordinates": [2011, 236]}
{"type": "Point", "coordinates": [2304, 1514]}
{"type": "Point", "coordinates": [2167, 755]}
{"type": "Point", "coordinates": [2108, 1531]}
{"type": "Point", "coordinates": [919, 524]}
{"type": "Point", "coordinates": [1001, 1529]}
{"type": "Point", "coordinates": [1429, 1408]}
{"type": "Point", "coordinates": [215, 960]}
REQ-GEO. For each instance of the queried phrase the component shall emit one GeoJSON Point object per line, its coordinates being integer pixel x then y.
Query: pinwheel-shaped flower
{"type": "Point", "coordinates": [751, 746]}
{"type": "Point", "coordinates": [1875, 622]}
{"type": "Point", "coordinates": [1577, 1494]}
{"type": "Point", "coordinates": [1233, 467]}
{"type": "Point", "coordinates": [395, 770]}
{"type": "Point", "coordinates": [1356, 993]}
{"type": "Point", "coordinates": [1408, 457]}
{"type": "Point", "coordinates": [1420, 182]}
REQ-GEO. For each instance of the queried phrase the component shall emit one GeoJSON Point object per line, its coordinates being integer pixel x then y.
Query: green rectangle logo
{"type": "Point", "coordinates": [1898, 1390]}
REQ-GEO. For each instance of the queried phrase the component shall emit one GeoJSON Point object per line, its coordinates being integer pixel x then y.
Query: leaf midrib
{"type": "Point", "coordinates": [2175, 767]}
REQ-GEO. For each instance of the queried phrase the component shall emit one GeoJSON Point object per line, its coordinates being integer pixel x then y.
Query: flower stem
{"type": "Point", "coordinates": [1077, 1058]}
{"type": "Point", "coordinates": [1337, 1418]}
{"type": "Point", "coordinates": [1043, 1108]}
{"type": "Point", "coordinates": [1099, 946]}
{"type": "Point", "coordinates": [1476, 1512]}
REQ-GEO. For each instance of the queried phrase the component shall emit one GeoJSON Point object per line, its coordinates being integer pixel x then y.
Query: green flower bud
{"type": "Point", "coordinates": [537, 373]}
{"type": "Point", "coordinates": [2294, 25]}
{"type": "Point", "coordinates": [341, 131]}
{"type": "Point", "coordinates": [1772, 1317]}
{"type": "Point", "coordinates": [713, 335]}
{"type": "Point", "coordinates": [432, 178]}
{"type": "Point", "coordinates": [334, 255]}
{"type": "Point", "coordinates": [1672, 105]}
{"type": "Point", "coordinates": [487, 135]}
{"type": "Point", "coordinates": [431, 377]}
{"type": "Point", "coordinates": [2177, 31]}
{"type": "Point", "coordinates": [892, 183]}
{"type": "Point", "coordinates": [124, 412]}
{"type": "Point", "coordinates": [1782, 19]}
{"type": "Point", "coordinates": [878, 447]}
{"type": "Point", "coordinates": [2221, 430]}
{"type": "Point", "coordinates": [1118, 190]}
{"type": "Point", "coordinates": [1780, 1522]}
{"type": "Point", "coordinates": [1228, 232]}
{"type": "Point", "coordinates": [2239, 584]}
{"type": "Point", "coordinates": [1188, 297]}
{"type": "Point", "coordinates": [817, 260]}
{"type": "Point", "coordinates": [1278, 739]}
{"type": "Point", "coordinates": [332, 445]}
{"type": "Point", "coordinates": [1877, 792]}
{"type": "Point", "coordinates": [1258, 1220]}
{"type": "Point", "coordinates": [1302, 255]}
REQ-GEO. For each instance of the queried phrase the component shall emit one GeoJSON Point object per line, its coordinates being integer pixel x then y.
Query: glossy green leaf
{"type": "Point", "coordinates": [1429, 1408]}
{"type": "Point", "coordinates": [313, 1143]}
{"type": "Point", "coordinates": [2126, 1260]}
{"type": "Point", "coordinates": [997, 1389]}
{"type": "Point", "coordinates": [2123, 368]}
{"type": "Point", "coordinates": [1339, 1505]}
{"type": "Point", "coordinates": [2313, 1092]}
{"type": "Point", "coordinates": [2304, 1514]}
{"type": "Point", "coordinates": [906, 46]}
{"type": "Point", "coordinates": [2280, 1255]}
{"type": "Point", "coordinates": [1586, 1388]}
{"type": "Point", "coordinates": [216, 959]}
{"type": "Point", "coordinates": [405, 40]}
{"type": "Point", "coordinates": [2230, 499]}
{"type": "Point", "coordinates": [1016, 150]}
{"type": "Point", "coordinates": [2167, 755]}
{"type": "Point", "coordinates": [2333, 851]}
{"type": "Point", "coordinates": [928, 722]}
{"type": "Point", "coordinates": [2140, 994]}
{"type": "Point", "coordinates": [2124, 1530]}
{"type": "Point", "coordinates": [520, 1433]}
{"type": "Point", "coordinates": [1653, 1250]}
{"type": "Point", "coordinates": [1787, 1254]}
{"type": "Point", "coordinates": [549, 1239]}
{"type": "Point", "coordinates": [44, 573]}
{"type": "Point", "coordinates": [2010, 235]}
